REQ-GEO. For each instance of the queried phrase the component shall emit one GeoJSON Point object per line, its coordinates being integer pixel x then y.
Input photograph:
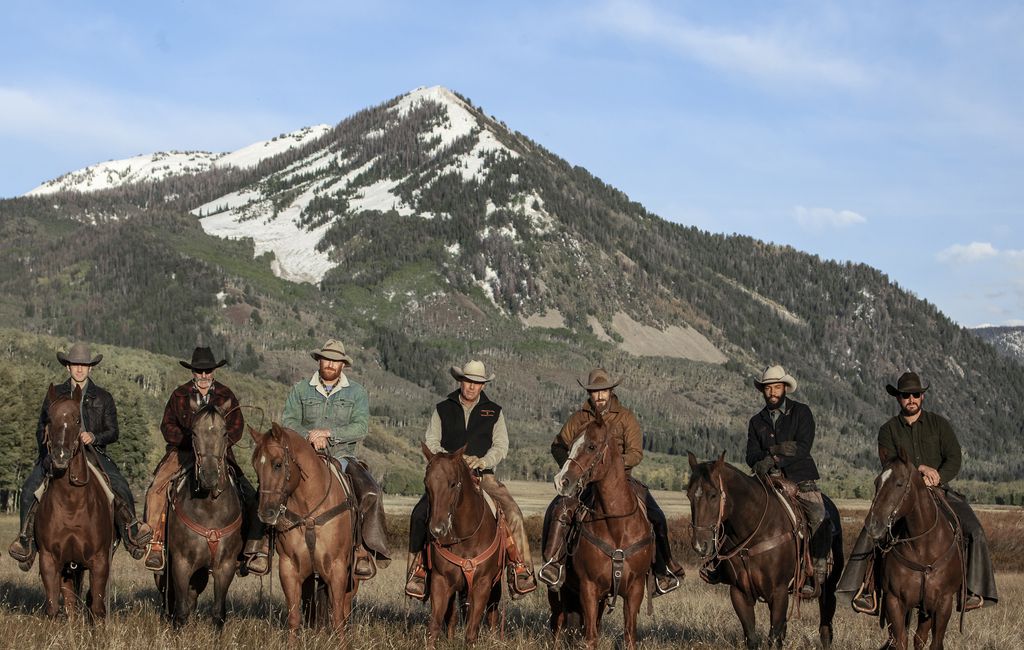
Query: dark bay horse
{"type": "Point", "coordinates": [467, 549]}
{"type": "Point", "coordinates": [315, 520]}
{"type": "Point", "coordinates": [74, 526]}
{"type": "Point", "coordinates": [616, 545]}
{"type": "Point", "coordinates": [204, 528]}
{"type": "Point", "coordinates": [922, 566]}
{"type": "Point", "coordinates": [738, 523]}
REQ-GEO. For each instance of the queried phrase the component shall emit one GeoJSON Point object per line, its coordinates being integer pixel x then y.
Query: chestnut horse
{"type": "Point", "coordinates": [467, 549]}
{"type": "Point", "coordinates": [739, 525]}
{"type": "Point", "coordinates": [616, 544]}
{"type": "Point", "coordinates": [204, 532]}
{"type": "Point", "coordinates": [922, 565]}
{"type": "Point", "coordinates": [314, 519]}
{"type": "Point", "coordinates": [75, 524]}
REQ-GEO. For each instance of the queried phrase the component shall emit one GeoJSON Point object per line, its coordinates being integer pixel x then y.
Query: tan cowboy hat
{"type": "Point", "coordinates": [908, 382]}
{"type": "Point", "coordinates": [775, 375]}
{"type": "Point", "coordinates": [598, 379]}
{"type": "Point", "coordinates": [332, 350]}
{"type": "Point", "coordinates": [473, 371]}
{"type": "Point", "coordinates": [203, 360]}
{"type": "Point", "coordinates": [80, 355]}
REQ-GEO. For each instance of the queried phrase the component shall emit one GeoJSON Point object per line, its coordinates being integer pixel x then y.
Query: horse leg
{"type": "Point", "coordinates": [778, 608]}
{"type": "Point", "coordinates": [941, 616]}
{"type": "Point", "coordinates": [925, 620]}
{"type": "Point", "coordinates": [180, 578]}
{"type": "Point", "coordinates": [744, 607]}
{"type": "Point", "coordinates": [589, 599]}
{"type": "Point", "coordinates": [441, 606]}
{"type": "Point", "coordinates": [478, 598]}
{"type": "Point", "coordinates": [897, 621]}
{"type": "Point", "coordinates": [50, 574]}
{"type": "Point", "coordinates": [337, 588]}
{"type": "Point", "coordinates": [826, 612]}
{"type": "Point", "coordinates": [557, 619]}
{"type": "Point", "coordinates": [493, 602]}
{"type": "Point", "coordinates": [99, 574]}
{"type": "Point", "coordinates": [222, 578]}
{"type": "Point", "coordinates": [70, 589]}
{"type": "Point", "coordinates": [291, 585]}
{"type": "Point", "coordinates": [632, 599]}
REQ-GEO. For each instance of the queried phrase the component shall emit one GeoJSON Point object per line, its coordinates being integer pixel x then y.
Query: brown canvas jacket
{"type": "Point", "coordinates": [622, 423]}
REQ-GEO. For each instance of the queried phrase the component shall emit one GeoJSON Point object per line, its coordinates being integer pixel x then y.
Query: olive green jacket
{"type": "Point", "coordinates": [929, 441]}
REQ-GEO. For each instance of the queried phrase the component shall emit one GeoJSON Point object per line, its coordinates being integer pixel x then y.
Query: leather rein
{"type": "Point", "coordinates": [469, 565]}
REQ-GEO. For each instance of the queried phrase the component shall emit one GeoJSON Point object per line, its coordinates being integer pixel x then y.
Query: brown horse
{"type": "Point", "coordinates": [921, 553]}
{"type": "Point", "coordinates": [315, 520]}
{"type": "Point", "coordinates": [74, 526]}
{"type": "Point", "coordinates": [467, 551]}
{"type": "Point", "coordinates": [204, 532]}
{"type": "Point", "coordinates": [616, 545]}
{"type": "Point", "coordinates": [742, 531]}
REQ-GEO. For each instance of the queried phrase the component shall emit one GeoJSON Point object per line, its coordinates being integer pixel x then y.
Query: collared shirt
{"type": "Point", "coordinates": [499, 435]}
{"type": "Point", "coordinates": [929, 441]}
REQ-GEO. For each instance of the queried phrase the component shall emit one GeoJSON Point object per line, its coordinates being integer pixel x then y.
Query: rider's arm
{"type": "Point", "coordinates": [44, 417]}
{"type": "Point", "coordinates": [234, 422]}
{"type": "Point", "coordinates": [499, 444]}
{"type": "Point", "coordinates": [755, 451]}
{"type": "Point", "coordinates": [433, 435]}
{"type": "Point", "coordinates": [170, 426]}
{"type": "Point", "coordinates": [292, 416]}
{"type": "Point", "coordinates": [949, 448]}
{"type": "Point", "coordinates": [633, 441]}
{"type": "Point", "coordinates": [359, 422]}
{"type": "Point", "coordinates": [803, 435]}
{"type": "Point", "coordinates": [106, 431]}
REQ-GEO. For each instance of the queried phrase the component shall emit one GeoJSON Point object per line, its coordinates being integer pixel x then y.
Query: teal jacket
{"type": "Point", "coordinates": [346, 413]}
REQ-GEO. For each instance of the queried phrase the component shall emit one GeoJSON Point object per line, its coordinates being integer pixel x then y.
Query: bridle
{"type": "Point", "coordinates": [200, 456]}
{"type": "Point", "coordinates": [718, 530]}
{"type": "Point", "coordinates": [451, 539]}
{"type": "Point", "coordinates": [281, 493]}
{"type": "Point", "coordinates": [893, 517]}
{"type": "Point", "coordinates": [599, 459]}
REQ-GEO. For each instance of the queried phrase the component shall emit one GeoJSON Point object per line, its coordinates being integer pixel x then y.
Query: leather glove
{"type": "Point", "coordinates": [763, 466]}
{"type": "Point", "coordinates": [787, 448]}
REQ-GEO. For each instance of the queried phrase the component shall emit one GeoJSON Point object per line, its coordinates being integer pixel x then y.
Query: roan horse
{"type": "Point", "coordinates": [315, 520]}
{"type": "Point", "coordinates": [74, 525]}
{"type": "Point", "coordinates": [737, 522]}
{"type": "Point", "coordinates": [467, 551]}
{"type": "Point", "coordinates": [922, 565]}
{"type": "Point", "coordinates": [616, 544]}
{"type": "Point", "coordinates": [204, 532]}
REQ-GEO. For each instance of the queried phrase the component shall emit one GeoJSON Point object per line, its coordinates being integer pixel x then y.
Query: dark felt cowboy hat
{"type": "Point", "coordinates": [775, 375]}
{"type": "Point", "coordinates": [80, 355]}
{"type": "Point", "coordinates": [203, 360]}
{"type": "Point", "coordinates": [473, 371]}
{"type": "Point", "coordinates": [598, 379]}
{"type": "Point", "coordinates": [908, 382]}
{"type": "Point", "coordinates": [332, 350]}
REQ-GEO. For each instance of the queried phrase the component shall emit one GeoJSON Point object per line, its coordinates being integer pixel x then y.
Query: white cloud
{"type": "Point", "coordinates": [826, 217]}
{"type": "Point", "coordinates": [760, 56]}
{"type": "Point", "coordinates": [967, 253]}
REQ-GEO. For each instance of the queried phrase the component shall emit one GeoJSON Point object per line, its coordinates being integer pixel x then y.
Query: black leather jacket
{"type": "Point", "coordinates": [99, 416]}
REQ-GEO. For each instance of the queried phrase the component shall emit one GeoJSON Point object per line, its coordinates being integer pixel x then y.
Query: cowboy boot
{"type": "Point", "coordinates": [416, 586]}
{"type": "Point", "coordinates": [553, 572]}
{"type": "Point", "coordinates": [257, 556]}
{"type": "Point", "coordinates": [520, 574]}
{"type": "Point", "coordinates": [23, 548]}
{"type": "Point", "coordinates": [135, 534]}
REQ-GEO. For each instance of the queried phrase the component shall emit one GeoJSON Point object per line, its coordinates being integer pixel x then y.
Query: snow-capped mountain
{"type": "Point", "coordinates": [164, 164]}
{"type": "Point", "coordinates": [1008, 341]}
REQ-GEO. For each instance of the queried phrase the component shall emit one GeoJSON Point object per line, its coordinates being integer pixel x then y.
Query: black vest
{"type": "Point", "coordinates": [477, 437]}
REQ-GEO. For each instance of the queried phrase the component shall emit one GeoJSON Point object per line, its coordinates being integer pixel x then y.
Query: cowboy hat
{"type": "Point", "coordinates": [79, 355]}
{"type": "Point", "coordinates": [473, 371]}
{"type": "Point", "coordinates": [598, 379]}
{"type": "Point", "coordinates": [775, 375]}
{"type": "Point", "coordinates": [203, 360]}
{"type": "Point", "coordinates": [908, 382]}
{"type": "Point", "coordinates": [332, 350]}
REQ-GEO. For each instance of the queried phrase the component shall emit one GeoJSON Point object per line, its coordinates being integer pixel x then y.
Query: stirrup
{"type": "Point", "coordinates": [672, 586]}
{"type": "Point", "coordinates": [515, 571]}
{"type": "Point", "coordinates": [865, 602]}
{"type": "Point", "coordinates": [418, 577]}
{"type": "Point", "coordinates": [366, 559]}
{"type": "Point", "coordinates": [155, 557]}
{"type": "Point", "coordinates": [554, 584]}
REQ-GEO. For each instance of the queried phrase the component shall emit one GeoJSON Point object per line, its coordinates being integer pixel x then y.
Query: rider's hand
{"type": "Point", "coordinates": [763, 466]}
{"type": "Point", "coordinates": [930, 475]}
{"type": "Point", "coordinates": [86, 437]}
{"type": "Point", "coordinates": [318, 438]}
{"type": "Point", "coordinates": [474, 463]}
{"type": "Point", "coordinates": [787, 448]}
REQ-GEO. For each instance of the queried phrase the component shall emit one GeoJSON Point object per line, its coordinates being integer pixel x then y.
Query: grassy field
{"type": "Point", "coordinates": [695, 616]}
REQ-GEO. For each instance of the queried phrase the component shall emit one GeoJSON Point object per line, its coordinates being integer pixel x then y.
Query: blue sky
{"type": "Point", "coordinates": [878, 132]}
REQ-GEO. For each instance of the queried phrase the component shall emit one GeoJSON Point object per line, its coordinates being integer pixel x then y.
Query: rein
{"type": "Point", "coordinates": [293, 519]}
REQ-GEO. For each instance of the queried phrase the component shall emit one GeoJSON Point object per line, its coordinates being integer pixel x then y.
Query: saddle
{"type": "Point", "coordinates": [94, 469]}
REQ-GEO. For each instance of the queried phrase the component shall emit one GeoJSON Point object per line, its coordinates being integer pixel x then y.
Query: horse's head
{"type": "Point", "coordinates": [446, 479]}
{"type": "Point", "coordinates": [893, 486]}
{"type": "Point", "coordinates": [276, 469]}
{"type": "Point", "coordinates": [588, 458]}
{"type": "Point", "coordinates": [64, 425]}
{"type": "Point", "coordinates": [210, 446]}
{"type": "Point", "coordinates": [708, 504]}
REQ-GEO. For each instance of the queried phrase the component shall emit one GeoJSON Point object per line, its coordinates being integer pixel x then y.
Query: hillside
{"type": "Point", "coordinates": [1008, 341]}
{"type": "Point", "coordinates": [422, 232]}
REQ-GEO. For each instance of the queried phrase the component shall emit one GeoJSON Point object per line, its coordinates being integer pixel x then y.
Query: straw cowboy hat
{"type": "Point", "coordinates": [333, 350]}
{"type": "Point", "coordinates": [775, 375]}
{"type": "Point", "coordinates": [473, 371]}
{"type": "Point", "coordinates": [908, 382]}
{"type": "Point", "coordinates": [203, 361]}
{"type": "Point", "coordinates": [598, 379]}
{"type": "Point", "coordinates": [79, 355]}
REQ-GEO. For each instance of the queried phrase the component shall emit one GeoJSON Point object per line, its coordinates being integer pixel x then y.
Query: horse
{"type": "Point", "coordinates": [737, 521]}
{"type": "Point", "coordinates": [616, 542]}
{"type": "Point", "coordinates": [467, 552]}
{"type": "Point", "coordinates": [74, 526]}
{"type": "Point", "coordinates": [922, 560]}
{"type": "Point", "coordinates": [204, 532]}
{"type": "Point", "coordinates": [315, 520]}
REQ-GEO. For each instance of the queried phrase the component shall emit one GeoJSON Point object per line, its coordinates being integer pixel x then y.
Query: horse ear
{"type": "Point", "coordinates": [721, 460]}
{"type": "Point", "coordinates": [429, 455]}
{"type": "Point", "coordinates": [257, 437]}
{"type": "Point", "coordinates": [459, 453]}
{"type": "Point", "coordinates": [692, 459]}
{"type": "Point", "coordinates": [902, 453]}
{"type": "Point", "coordinates": [276, 431]}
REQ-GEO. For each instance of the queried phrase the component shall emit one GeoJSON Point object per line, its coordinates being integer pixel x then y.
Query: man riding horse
{"type": "Point", "coordinates": [176, 427]}
{"type": "Point", "coordinates": [98, 429]}
{"type": "Point", "coordinates": [468, 418]}
{"type": "Point", "coordinates": [333, 412]}
{"type": "Point", "coordinates": [932, 446]}
{"type": "Point", "coordinates": [625, 431]}
{"type": "Point", "coordinates": [779, 440]}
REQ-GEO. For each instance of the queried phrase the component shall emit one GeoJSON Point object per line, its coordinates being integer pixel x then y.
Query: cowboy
{"type": "Point", "coordinates": [625, 431]}
{"type": "Point", "coordinates": [333, 413]}
{"type": "Point", "coordinates": [468, 418]}
{"type": "Point", "coordinates": [779, 440]}
{"type": "Point", "coordinates": [932, 446]}
{"type": "Point", "coordinates": [99, 429]}
{"type": "Point", "coordinates": [185, 401]}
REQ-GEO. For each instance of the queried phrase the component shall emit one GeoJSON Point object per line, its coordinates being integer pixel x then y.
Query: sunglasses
{"type": "Point", "coordinates": [916, 395]}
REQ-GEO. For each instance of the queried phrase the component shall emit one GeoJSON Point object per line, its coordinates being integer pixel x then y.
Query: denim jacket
{"type": "Point", "coordinates": [345, 412]}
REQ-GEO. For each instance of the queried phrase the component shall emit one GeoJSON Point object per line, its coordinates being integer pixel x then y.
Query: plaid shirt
{"type": "Point", "coordinates": [177, 422]}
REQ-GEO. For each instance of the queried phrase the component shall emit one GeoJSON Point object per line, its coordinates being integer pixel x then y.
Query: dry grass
{"type": "Point", "coordinates": [696, 616]}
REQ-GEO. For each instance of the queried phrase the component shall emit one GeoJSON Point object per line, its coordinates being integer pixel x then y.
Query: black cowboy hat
{"type": "Point", "coordinates": [203, 359]}
{"type": "Point", "coordinates": [908, 382]}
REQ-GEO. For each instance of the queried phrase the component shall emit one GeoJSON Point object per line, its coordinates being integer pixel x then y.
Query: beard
{"type": "Point", "coordinates": [910, 409]}
{"type": "Point", "coordinates": [329, 375]}
{"type": "Point", "coordinates": [773, 402]}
